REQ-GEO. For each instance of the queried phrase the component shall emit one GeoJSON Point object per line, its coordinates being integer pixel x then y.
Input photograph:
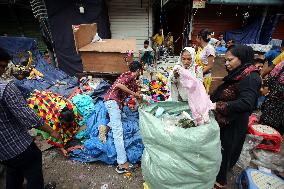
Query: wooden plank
{"type": "Point", "coordinates": [112, 63]}
{"type": "Point", "coordinates": [111, 45]}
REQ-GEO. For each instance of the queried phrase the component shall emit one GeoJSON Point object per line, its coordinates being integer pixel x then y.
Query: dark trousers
{"type": "Point", "coordinates": [26, 165]}
{"type": "Point", "coordinates": [232, 140]}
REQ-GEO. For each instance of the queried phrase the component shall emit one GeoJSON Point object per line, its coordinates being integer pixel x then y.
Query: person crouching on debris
{"type": "Point", "coordinates": [187, 61]}
{"type": "Point", "coordinates": [59, 113]}
{"type": "Point", "coordinates": [124, 86]}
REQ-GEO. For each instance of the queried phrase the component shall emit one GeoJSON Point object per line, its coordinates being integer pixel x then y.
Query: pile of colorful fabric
{"type": "Point", "coordinates": [48, 106]}
{"type": "Point", "coordinates": [55, 90]}
{"type": "Point", "coordinates": [157, 89]}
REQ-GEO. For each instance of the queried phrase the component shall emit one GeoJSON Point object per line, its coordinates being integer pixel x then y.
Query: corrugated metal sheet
{"type": "Point", "coordinates": [130, 19]}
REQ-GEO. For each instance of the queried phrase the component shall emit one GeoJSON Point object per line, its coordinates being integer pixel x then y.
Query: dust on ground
{"type": "Point", "coordinates": [68, 174]}
{"type": "Point", "coordinates": [76, 175]}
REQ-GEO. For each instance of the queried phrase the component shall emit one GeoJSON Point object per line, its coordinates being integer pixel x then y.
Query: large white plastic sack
{"type": "Point", "coordinates": [175, 157]}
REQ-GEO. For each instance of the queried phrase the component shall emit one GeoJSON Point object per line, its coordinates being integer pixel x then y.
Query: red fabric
{"type": "Point", "coordinates": [114, 93]}
{"type": "Point", "coordinates": [278, 72]}
{"type": "Point", "coordinates": [247, 72]}
{"type": "Point", "coordinates": [253, 120]}
{"type": "Point", "coordinates": [276, 139]}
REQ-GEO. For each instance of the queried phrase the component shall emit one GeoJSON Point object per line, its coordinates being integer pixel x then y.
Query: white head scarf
{"type": "Point", "coordinates": [192, 53]}
{"type": "Point", "coordinates": [174, 85]}
{"type": "Point", "coordinates": [191, 68]}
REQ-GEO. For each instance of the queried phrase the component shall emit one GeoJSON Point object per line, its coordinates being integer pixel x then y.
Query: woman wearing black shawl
{"type": "Point", "coordinates": [235, 100]}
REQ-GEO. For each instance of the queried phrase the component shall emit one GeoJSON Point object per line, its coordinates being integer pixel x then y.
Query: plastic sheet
{"type": "Point", "coordinates": [95, 150]}
{"type": "Point", "coordinates": [175, 157]}
{"type": "Point", "coordinates": [195, 90]}
{"type": "Point", "coordinates": [268, 159]}
{"type": "Point", "coordinates": [246, 155]}
{"type": "Point", "coordinates": [18, 46]}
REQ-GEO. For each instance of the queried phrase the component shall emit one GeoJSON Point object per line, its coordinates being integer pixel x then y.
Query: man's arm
{"type": "Point", "coordinates": [125, 89]}
{"type": "Point", "coordinates": [19, 108]}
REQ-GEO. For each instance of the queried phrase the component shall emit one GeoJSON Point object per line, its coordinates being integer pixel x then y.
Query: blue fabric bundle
{"type": "Point", "coordinates": [95, 150]}
{"type": "Point", "coordinates": [85, 106]}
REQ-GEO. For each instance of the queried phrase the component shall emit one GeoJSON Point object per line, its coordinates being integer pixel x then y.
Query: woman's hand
{"type": "Point", "coordinates": [176, 74]}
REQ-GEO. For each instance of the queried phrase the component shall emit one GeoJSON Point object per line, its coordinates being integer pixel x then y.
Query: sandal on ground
{"type": "Point", "coordinates": [121, 170]}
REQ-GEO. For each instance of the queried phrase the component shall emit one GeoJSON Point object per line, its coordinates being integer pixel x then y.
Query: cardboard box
{"type": "Point", "coordinates": [105, 57]}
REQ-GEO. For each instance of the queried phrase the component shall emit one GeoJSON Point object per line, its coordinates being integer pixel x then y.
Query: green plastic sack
{"type": "Point", "coordinates": [175, 157]}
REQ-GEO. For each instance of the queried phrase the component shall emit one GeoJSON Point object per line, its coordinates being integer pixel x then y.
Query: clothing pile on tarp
{"type": "Point", "coordinates": [85, 106]}
{"type": "Point", "coordinates": [95, 150]}
{"type": "Point", "coordinates": [157, 89]}
{"type": "Point", "coordinates": [53, 79]}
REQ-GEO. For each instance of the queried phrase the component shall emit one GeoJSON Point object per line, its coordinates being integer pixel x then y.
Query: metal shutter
{"type": "Point", "coordinates": [130, 19]}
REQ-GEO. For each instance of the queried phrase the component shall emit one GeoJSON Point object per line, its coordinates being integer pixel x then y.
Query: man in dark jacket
{"type": "Point", "coordinates": [18, 152]}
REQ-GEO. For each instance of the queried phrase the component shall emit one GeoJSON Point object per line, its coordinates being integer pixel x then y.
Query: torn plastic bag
{"type": "Point", "coordinates": [268, 159]}
{"type": "Point", "coordinates": [246, 155]}
{"type": "Point", "coordinates": [175, 157]}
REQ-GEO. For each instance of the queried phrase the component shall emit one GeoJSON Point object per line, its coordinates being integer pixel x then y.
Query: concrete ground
{"type": "Point", "coordinates": [75, 175]}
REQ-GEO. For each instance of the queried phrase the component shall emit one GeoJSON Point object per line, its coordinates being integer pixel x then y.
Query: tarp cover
{"type": "Point", "coordinates": [65, 13]}
{"type": "Point", "coordinates": [175, 157]}
{"type": "Point", "coordinates": [257, 30]}
{"type": "Point", "coordinates": [95, 150]}
{"type": "Point", "coordinates": [17, 47]}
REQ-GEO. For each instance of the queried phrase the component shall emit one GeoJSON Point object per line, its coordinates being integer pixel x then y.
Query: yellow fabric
{"type": "Point", "coordinates": [159, 39]}
{"type": "Point", "coordinates": [208, 79]}
{"type": "Point", "coordinates": [278, 59]}
{"type": "Point", "coordinates": [146, 185]}
{"type": "Point", "coordinates": [197, 60]}
{"type": "Point", "coordinates": [207, 83]}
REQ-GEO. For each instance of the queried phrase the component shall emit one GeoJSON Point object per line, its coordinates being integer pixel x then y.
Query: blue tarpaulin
{"type": "Point", "coordinates": [54, 79]}
{"type": "Point", "coordinates": [95, 150]}
{"type": "Point", "coordinates": [258, 30]}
